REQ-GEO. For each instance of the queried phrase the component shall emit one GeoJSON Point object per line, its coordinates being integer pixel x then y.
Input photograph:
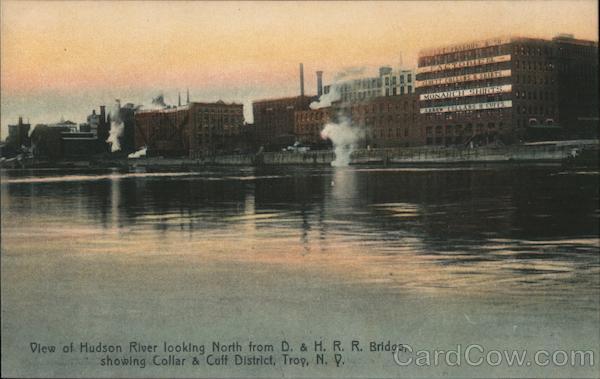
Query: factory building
{"type": "Point", "coordinates": [309, 123]}
{"type": "Point", "coordinates": [506, 89]}
{"type": "Point", "coordinates": [577, 86]}
{"type": "Point", "coordinates": [99, 125]}
{"type": "Point", "coordinates": [390, 82]}
{"type": "Point", "coordinates": [385, 121]}
{"type": "Point", "coordinates": [274, 120]}
{"type": "Point", "coordinates": [194, 129]}
{"type": "Point", "coordinates": [18, 135]}
{"type": "Point", "coordinates": [60, 141]}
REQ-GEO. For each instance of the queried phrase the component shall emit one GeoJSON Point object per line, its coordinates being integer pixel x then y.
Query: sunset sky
{"type": "Point", "coordinates": [66, 58]}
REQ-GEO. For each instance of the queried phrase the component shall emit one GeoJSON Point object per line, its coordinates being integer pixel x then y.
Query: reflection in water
{"type": "Point", "coordinates": [500, 230]}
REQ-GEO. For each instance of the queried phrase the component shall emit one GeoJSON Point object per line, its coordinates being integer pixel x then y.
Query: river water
{"type": "Point", "coordinates": [505, 257]}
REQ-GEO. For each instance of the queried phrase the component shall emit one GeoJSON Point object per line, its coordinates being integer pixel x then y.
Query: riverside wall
{"type": "Point", "coordinates": [540, 152]}
{"type": "Point", "coordinates": [543, 152]}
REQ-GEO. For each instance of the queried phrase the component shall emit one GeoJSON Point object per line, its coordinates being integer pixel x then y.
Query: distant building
{"type": "Point", "coordinates": [46, 141]}
{"type": "Point", "coordinates": [93, 121]}
{"type": "Point", "coordinates": [193, 130]}
{"type": "Point", "coordinates": [509, 88]}
{"type": "Point", "coordinates": [75, 145]}
{"type": "Point", "coordinates": [274, 120]}
{"type": "Point", "coordinates": [68, 125]}
{"type": "Point", "coordinates": [18, 134]}
{"type": "Point", "coordinates": [84, 127]}
{"type": "Point", "coordinates": [99, 125]}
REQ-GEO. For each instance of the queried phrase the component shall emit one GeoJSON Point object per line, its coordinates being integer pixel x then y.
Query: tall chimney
{"type": "Point", "coordinates": [103, 113]}
{"type": "Point", "coordinates": [319, 83]}
{"type": "Point", "coordinates": [301, 79]}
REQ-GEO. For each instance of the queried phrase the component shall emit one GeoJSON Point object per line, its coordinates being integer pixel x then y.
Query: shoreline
{"type": "Point", "coordinates": [560, 152]}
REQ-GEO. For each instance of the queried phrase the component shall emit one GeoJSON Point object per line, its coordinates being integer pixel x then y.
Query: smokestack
{"type": "Point", "coordinates": [103, 113]}
{"type": "Point", "coordinates": [319, 83]}
{"type": "Point", "coordinates": [301, 79]}
{"type": "Point", "coordinates": [188, 96]}
{"type": "Point", "coordinates": [179, 99]}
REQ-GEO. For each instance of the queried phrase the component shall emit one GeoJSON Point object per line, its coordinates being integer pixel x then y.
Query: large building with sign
{"type": "Point", "coordinates": [507, 89]}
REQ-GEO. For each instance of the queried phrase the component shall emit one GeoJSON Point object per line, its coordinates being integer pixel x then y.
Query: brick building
{"type": "Point", "coordinates": [193, 130]}
{"type": "Point", "coordinates": [577, 85]}
{"type": "Point", "coordinates": [18, 134]}
{"type": "Point", "coordinates": [387, 121]}
{"type": "Point", "coordinates": [274, 120]}
{"type": "Point", "coordinates": [308, 125]}
{"type": "Point", "coordinates": [506, 88]}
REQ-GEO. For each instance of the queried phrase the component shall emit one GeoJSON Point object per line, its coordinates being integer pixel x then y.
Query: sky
{"type": "Point", "coordinates": [63, 59]}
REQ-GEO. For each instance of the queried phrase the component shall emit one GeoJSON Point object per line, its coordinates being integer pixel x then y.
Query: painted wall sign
{"type": "Point", "coordinates": [466, 92]}
{"type": "Point", "coordinates": [468, 107]}
{"type": "Point", "coordinates": [461, 64]}
{"type": "Point", "coordinates": [463, 78]}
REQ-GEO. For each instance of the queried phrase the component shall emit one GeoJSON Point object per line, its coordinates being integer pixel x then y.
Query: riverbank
{"type": "Point", "coordinates": [541, 152]}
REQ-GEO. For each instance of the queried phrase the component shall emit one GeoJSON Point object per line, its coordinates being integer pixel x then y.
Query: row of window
{"type": "Point", "coordinates": [534, 65]}
{"type": "Point", "coordinates": [398, 91]}
{"type": "Point", "coordinates": [382, 107]}
{"type": "Point", "coordinates": [459, 129]}
{"type": "Point", "coordinates": [389, 133]}
{"type": "Point", "coordinates": [534, 95]}
{"type": "Point", "coordinates": [400, 79]}
{"type": "Point", "coordinates": [496, 113]}
{"type": "Point", "coordinates": [220, 111]}
{"type": "Point", "coordinates": [535, 79]}
{"type": "Point", "coordinates": [535, 110]}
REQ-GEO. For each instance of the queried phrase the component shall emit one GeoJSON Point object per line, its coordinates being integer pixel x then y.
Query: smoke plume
{"type": "Point", "coordinates": [157, 103]}
{"type": "Point", "coordinates": [344, 137]}
{"type": "Point", "coordinates": [334, 93]}
{"type": "Point", "coordinates": [116, 128]}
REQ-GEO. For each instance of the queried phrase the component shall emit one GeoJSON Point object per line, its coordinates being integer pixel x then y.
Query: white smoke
{"type": "Point", "coordinates": [116, 128]}
{"type": "Point", "coordinates": [158, 103]}
{"type": "Point", "coordinates": [327, 98]}
{"type": "Point", "coordinates": [334, 93]}
{"type": "Point", "coordinates": [138, 154]}
{"type": "Point", "coordinates": [344, 137]}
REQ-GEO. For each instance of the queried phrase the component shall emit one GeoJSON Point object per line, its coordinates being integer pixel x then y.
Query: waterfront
{"type": "Point", "coordinates": [504, 256]}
